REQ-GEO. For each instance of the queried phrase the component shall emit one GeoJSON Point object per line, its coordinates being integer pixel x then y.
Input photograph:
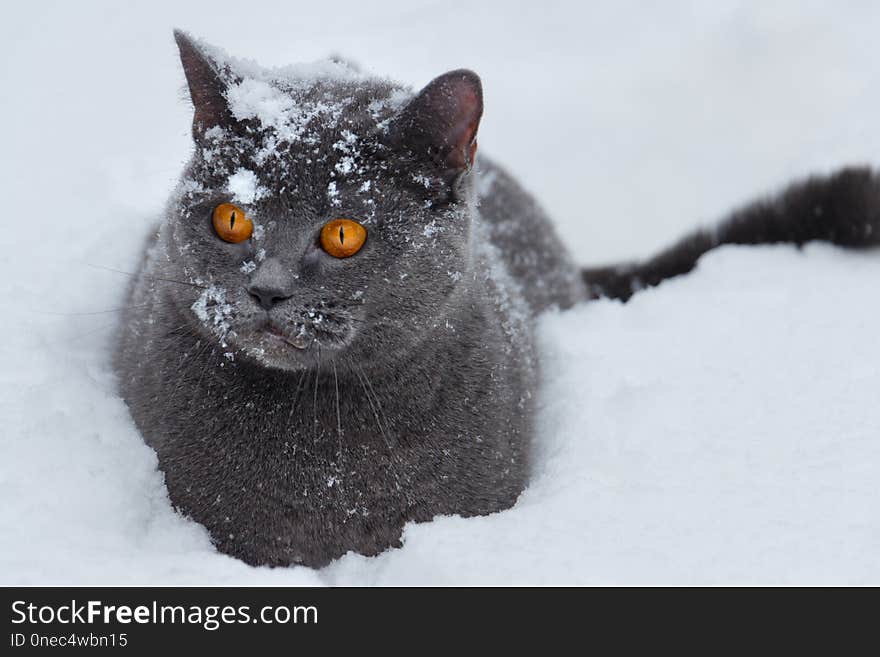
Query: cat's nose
{"type": "Point", "coordinates": [267, 297]}
{"type": "Point", "coordinates": [270, 284]}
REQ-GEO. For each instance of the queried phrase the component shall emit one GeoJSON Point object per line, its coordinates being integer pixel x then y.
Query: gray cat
{"type": "Point", "coordinates": [331, 333]}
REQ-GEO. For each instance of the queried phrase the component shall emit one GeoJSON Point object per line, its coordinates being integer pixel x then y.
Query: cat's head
{"type": "Point", "coordinates": [280, 156]}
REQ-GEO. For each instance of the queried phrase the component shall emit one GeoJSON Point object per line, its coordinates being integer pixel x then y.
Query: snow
{"type": "Point", "coordinates": [348, 146]}
{"type": "Point", "coordinates": [332, 192]}
{"type": "Point", "coordinates": [275, 110]}
{"type": "Point", "coordinates": [719, 429]}
{"type": "Point", "coordinates": [244, 186]}
{"type": "Point", "coordinates": [213, 310]}
{"type": "Point", "coordinates": [291, 75]}
{"type": "Point", "coordinates": [257, 99]}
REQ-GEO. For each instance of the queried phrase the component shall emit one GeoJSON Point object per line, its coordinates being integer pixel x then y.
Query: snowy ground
{"type": "Point", "coordinates": [721, 428]}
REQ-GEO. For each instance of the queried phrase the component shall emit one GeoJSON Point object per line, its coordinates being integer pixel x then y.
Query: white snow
{"type": "Point", "coordinates": [332, 192]}
{"type": "Point", "coordinates": [213, 310]}
{"type": "Point", "coordinates": [260, 100]}
{"type": "Point", "coordinates": [347, 163]}
{"type": "Point", "coordinates": [257, 99]}
{"type": "Point", "coordinates": [244, 186]}
{"type": "Point", "coordinates": [722, 428]}
{"type": "Point", "coordinates": [432, 229]}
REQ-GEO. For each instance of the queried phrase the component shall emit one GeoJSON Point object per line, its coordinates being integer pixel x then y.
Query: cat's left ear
{"type": "Point", "coordinates": [441, 121]}
{"type": "Point", "coordinates": [207, 86]}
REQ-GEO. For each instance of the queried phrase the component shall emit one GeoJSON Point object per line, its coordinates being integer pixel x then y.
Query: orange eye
{"type": "Point", "coordinates": [342, 238]}
{"type": "Point", "coordinates": [231, 224]}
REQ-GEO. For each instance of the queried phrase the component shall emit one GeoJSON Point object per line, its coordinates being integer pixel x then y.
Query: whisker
{"type": "Point", "coordinates": [187, 362]}
{"type": "Point", "coordinates": [151, 278]}
{"type": "Point", "coordinates": [91, 312]}
{"type": "Point", "coordinates": [81, 335]}
{"type": "Point", "coordinates": [340, 454]}
{"type": "Point", "coordinates": [315, 400]}
{"type": "Point", "coordinates": [299, 385]}
{"type": "Point", "coordinates": [338, 414]}
{"type": "Point", "coordinates": [391, 454]}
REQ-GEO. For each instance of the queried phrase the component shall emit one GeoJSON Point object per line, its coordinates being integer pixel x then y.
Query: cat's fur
{"type": "Point", "coordinates": [402, 383]}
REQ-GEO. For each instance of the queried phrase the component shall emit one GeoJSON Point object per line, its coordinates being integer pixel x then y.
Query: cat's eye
{"type": "Point", "coordinates": [231, 224]}
{"type": "Point", "coordinates": [342, 238]}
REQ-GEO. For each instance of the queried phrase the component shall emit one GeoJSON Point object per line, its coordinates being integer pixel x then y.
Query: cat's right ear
{"type": "Point", "coordinates": [441, 121]}
{"type": "Point", "coordinates": [207, 86]}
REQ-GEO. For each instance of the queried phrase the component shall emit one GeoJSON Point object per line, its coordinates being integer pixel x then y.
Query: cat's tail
{"type": "Point", "coordinates": [843, 209]}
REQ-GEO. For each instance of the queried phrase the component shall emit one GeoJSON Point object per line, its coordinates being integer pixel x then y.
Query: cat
{"type": "Point", "coordinates": [331, 332]}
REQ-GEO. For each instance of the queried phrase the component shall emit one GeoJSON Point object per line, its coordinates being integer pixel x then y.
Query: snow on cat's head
{"type": "Point", "coordinates": [293, 149]}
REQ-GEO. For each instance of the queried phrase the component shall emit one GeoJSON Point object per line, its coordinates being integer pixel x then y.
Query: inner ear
{"type": "Point", "coordinates": [207, 86]}
{"type": "Point", "coordinates": [441, 121]}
